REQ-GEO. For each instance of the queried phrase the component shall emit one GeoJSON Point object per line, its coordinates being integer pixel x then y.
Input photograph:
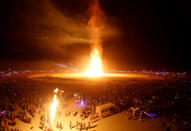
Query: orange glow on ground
{"type": "Point", "coordinates": [85, 76]}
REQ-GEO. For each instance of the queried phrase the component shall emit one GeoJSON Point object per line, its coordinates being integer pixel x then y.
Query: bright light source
{"type": "Point", "coordinates": [95, 68]}
{"type": "Point", "coordinates": [53, 107]}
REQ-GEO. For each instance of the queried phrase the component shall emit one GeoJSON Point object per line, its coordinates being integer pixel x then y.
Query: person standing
{"type": "Point", "coordinates": [91, 119]}
{"type": "Point", "coordinates": [84, 125]}
{"type": "Point", "coordinates": [57, 125]}
{"type": "Point", "coordinates": [7, 123]}
{"type": "Point", "coordinates": [133, 113]}
{"type": "Point", "coordinates": [140, 118]}
{"type": "Point", "coordinates": [61, 125]}
{"type": "Point", "coordinates": [71, 125]}
{"type": "Point", "coordinates": [163, 124]}
{"type": "Point", "coordinates": [168, 128]}
{"type": "Point", "coordinates": [88, 124]}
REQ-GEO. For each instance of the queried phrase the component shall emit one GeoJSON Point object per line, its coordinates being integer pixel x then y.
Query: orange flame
{"type": "Point", "coordinates": [95, 68]}
{"type": "Point", "coordinates": [96, 27]}
{"type": "Point", "coordinates": [53, 107]}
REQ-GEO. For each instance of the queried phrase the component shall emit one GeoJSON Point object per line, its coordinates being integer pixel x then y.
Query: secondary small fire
{"type": "Point", "coordinates": [96, 26]}
{"type": "Point", "coordinates": [53, 107]}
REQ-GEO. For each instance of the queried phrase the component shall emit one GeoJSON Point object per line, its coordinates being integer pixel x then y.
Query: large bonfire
{"type": "Point", "coordinates": [96, 26]}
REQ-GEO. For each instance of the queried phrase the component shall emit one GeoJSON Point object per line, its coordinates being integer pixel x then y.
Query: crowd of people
{"type": "Point", "coordinates": [165, 99]}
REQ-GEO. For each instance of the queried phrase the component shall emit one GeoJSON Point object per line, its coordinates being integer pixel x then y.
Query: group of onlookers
{"type": "Point", "coordinates": [164, 98]}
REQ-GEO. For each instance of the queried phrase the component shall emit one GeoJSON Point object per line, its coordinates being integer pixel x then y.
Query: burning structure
{"type": "Point", "coordinates": [96, 26]}
{"type": "Point", "coordinates": [96, 29]}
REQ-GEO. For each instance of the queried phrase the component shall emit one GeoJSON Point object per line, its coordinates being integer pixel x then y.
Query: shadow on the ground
{"type": "Point", "coordinates": [93, 126]}
{"type": "Point", "coordinates": [96, 120]}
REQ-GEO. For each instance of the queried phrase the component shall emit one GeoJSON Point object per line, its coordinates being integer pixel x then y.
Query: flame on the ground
{"type": "Point", "coordinates": [95, 68]}
{"type": "Point", "coordinates": [53, 107]}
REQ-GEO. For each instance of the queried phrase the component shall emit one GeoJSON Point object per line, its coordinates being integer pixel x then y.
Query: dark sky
{"type": "Point", "coordinates": [140, 34]}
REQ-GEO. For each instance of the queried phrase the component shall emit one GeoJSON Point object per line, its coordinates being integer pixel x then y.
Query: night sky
{"type": "Point", "coordinates": [139, 34]}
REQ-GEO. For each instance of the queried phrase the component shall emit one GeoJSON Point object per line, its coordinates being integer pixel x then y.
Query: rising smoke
{"type": "Point", "coordinates": [43, 29]}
